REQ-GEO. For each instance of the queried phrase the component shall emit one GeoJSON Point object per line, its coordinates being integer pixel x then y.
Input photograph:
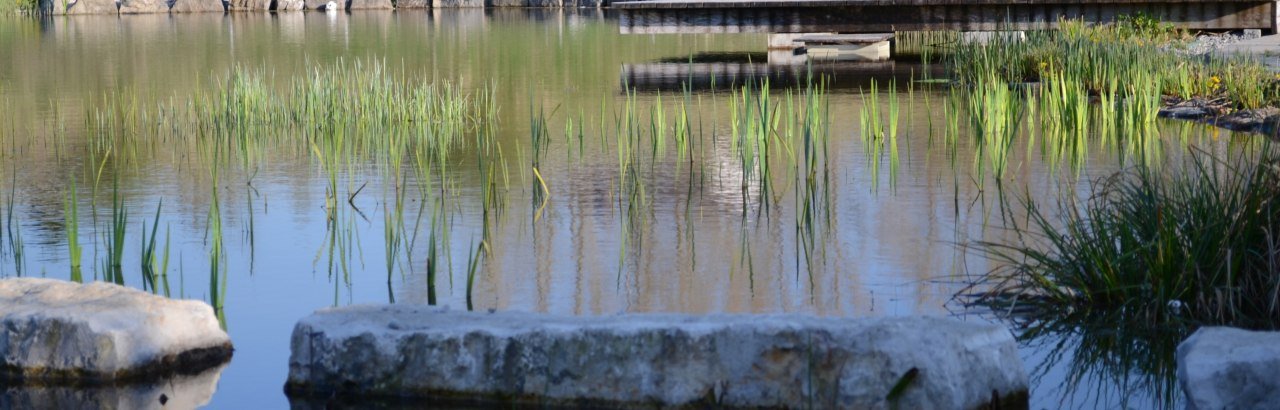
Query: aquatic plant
{"type": "Point", "coordinates": [16, 246]}
{"type": "Point", "coordinates": [71, 218]}
{"type": "Point", "coordinates": [114, 237]}
{"type": "Point", "coordinates": [149, 273]}
{"type": "Point", "coordinates": [1192, 244]}
{"type": "Point", "coordinates": [1133, 50]}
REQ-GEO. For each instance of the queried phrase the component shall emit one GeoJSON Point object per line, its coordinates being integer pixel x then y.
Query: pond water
{"type": "Point", "coordinates": [703, 236]}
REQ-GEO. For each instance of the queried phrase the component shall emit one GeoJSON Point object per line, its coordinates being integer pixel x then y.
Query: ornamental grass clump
{"type": "Point", "coordinates": [1195, 244]}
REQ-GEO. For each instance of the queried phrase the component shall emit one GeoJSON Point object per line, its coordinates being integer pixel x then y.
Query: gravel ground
{"type": "Point", "coordinates": [1207, 43]}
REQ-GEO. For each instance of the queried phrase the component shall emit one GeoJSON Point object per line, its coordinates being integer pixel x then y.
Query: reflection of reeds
{"type": "Point", "coordinates": [16, 246]}
{"type": "Point", "coordinates": [1108, 361]}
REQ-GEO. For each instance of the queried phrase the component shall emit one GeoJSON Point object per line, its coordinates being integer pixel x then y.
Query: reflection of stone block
{"type": "Point", "coordinates": [180, 392]}
{"type": "Point", "coordinates": [655, 360]}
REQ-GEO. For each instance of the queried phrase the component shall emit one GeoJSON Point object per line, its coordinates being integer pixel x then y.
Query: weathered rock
{"type": "Point", "coordinates": [655, 359]}
{"type": "Point", "coordinates": [368, 4]}
{"type": "Point", "coordinates": [196, 6]}
{"type": "Point", "coordinates": [144, 6]}
{"type": "Point", "coordinates": [85, 7]}
{"type": "Point", "coordinates": [180, 392]}
{"type": "Point", "coordinates": [413, 4]}
{"type": "Point", "coordinates": [1228, 368]}
{"type": "Point", "coordinates": [436, 4]}
{"type": "Point", "coordinates": [1189, 112]}
{"type": "Point", "coordinates": [324, 5]}
{"type": "Point", "coordinates": [248, 5]}
{"type": "Point", "coordinates": [289, 5]}
{"type": "Point", "coordinates": [524, 3]}
{"type": "Point", "coordinates": [55, 332]}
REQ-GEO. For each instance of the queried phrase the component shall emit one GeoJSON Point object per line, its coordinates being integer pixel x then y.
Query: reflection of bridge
{"type": "Point", "coordinates": [877, 16]}
{"type": "Point", "coordinates": [698, 76]}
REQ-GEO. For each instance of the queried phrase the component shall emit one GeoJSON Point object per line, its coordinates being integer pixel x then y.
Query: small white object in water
{"type": "Point", "coordinates": [331, 6]}
{"type": "Point", "coordinates": [1175, 306]}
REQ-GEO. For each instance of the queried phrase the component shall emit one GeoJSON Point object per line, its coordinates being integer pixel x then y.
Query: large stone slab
{"type": "Point", "coordinates": [438, 4]}
{"type": "Point", "coordinates": [654, 359]}
{"type": "Point", "coordinates": [288, 5]}
{"type": "Point", "coordinates": [413, 4]}
{"type": "Point", "coordinates": [1228, 368]}
{"type": "Point", "coordinates": [369, 4]}
{"type": "Point", "coordinates": [248, 5]}
{"type": "Point", "coordinates": [197, 6]}
{"type": "Point", "coordinates": [144, 6]}
{"type": "Point", "coordinates": [85, 7]}
{"type": "Point", "coordinates": [54, 331]}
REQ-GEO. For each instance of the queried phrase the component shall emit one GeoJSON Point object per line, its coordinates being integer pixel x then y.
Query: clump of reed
{"type": "Point", "coordinates": [1134, 50]}
{"type": "Point", "coordinates": [1192, 244]}
{"type": "Point", "coordinates": [15, 247]}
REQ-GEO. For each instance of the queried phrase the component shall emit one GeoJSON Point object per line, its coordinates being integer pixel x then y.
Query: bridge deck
{"type": "Point", "coordinates": [721, 4]}
{"type": "Point", "coordinates": [875, 16]}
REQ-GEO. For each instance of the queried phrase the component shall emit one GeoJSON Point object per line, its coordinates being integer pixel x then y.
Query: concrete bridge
{"type": "Point", "coordinates": [880, 16]}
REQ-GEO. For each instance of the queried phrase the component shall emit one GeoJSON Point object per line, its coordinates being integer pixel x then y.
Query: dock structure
{"type": "Point", "coordinates": [882, 16]}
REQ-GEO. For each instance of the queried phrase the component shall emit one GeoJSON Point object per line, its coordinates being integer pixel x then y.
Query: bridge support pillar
{"type": "Point", "coordinates": [1275, 19]}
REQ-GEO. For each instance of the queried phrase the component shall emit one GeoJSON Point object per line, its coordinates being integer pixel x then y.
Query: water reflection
{"type": "Point", "coordinates": [1101, 360]}
{"type": "Point", "coordinates": [177, 392]}
{"type": "Point", "coordinates": [724, 71]}
{"type": "Point", "coordinates": [705, 232]}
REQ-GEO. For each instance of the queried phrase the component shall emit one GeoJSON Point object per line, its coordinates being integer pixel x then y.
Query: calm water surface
{"type": "Point", "coordinates": [890, 245]}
